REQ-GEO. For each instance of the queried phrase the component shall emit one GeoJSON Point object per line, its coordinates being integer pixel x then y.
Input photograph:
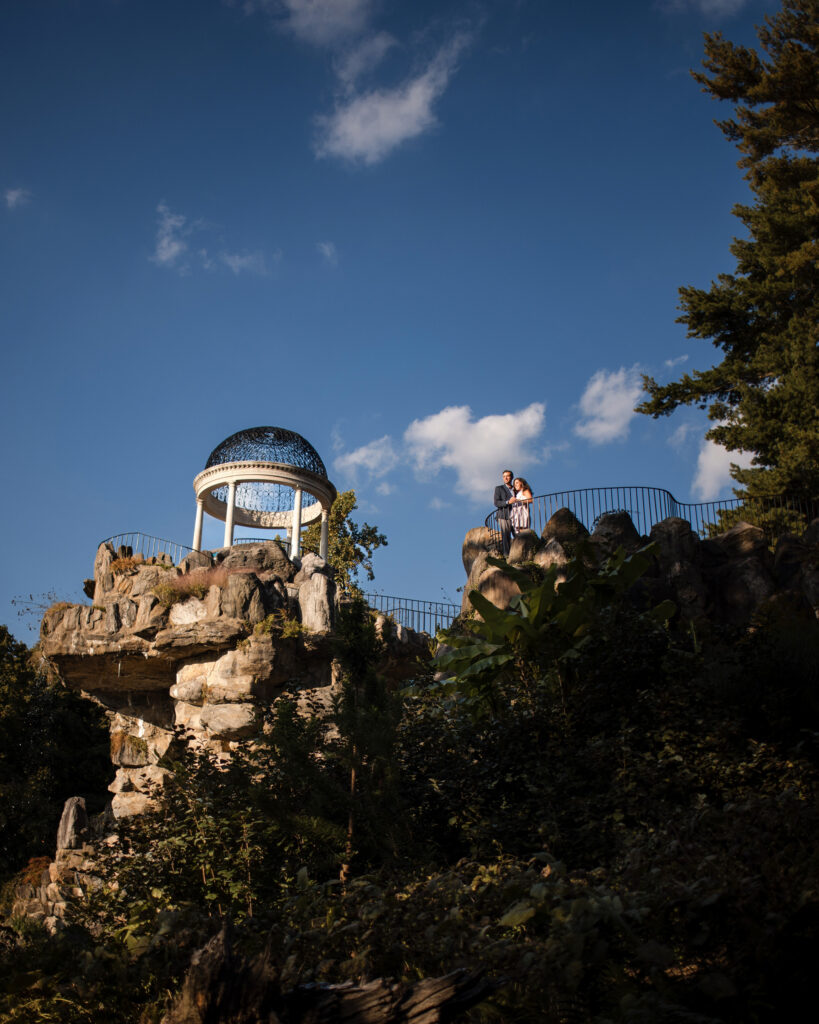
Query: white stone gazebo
{"type": "Point", "coordinates": [268, 478]}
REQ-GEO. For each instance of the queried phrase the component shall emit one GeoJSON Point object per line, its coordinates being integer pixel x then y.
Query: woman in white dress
{"type": "Point", "coordinates": [519, 505]}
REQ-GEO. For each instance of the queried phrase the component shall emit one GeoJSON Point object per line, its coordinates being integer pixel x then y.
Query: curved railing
{"type": "Point", "coordinates": [415, 613]}
{"type": "Point", "coordinates": [149, 547]}
{"type": "Point", "coordinates": [648, 506]}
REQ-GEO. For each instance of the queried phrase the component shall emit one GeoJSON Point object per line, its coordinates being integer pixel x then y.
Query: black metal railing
{"type": "Point", "coordinates": [415, 613]}
{"type": "Point", "coordinates": [147, 546]}
{"type": "Point", "coordinates": [648, 506]}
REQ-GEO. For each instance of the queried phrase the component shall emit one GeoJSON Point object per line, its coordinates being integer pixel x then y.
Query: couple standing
{"type": "Point", "coordinates": [512, 500]}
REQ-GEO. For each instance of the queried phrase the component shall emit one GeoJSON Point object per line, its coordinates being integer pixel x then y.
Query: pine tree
{"type": "Point", "coordinates": [763, 397]}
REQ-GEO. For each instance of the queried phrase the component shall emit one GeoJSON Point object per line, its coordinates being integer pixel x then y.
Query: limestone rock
{"type": "Point", "coordinates": [72, 832]}
{"type": "Point", "coordinates": [127, 750]}
{"type": "Point", "coordinates": [311, 564]}
{"type": "Point", "coordinates": [741, 587]}
{"type": "Point", "coordinates": [524, 547]}
{"type": "Point", "coordinates": [198, 637]}
{"type": "Point", "coordinates": [229, 721]}
{"type": "Point", "coordinates": [614, 530]}
{"type": "Point", "coordinates": [497, 587]}
{"type": "Point", "coordinates": [243, 597]}
{"type": "Point", "coordinates": [196, 560]}
{"type": "Point", "coordinates": [552, 553]}
{"type": "Point", "coordinates": [676, 541]}
{"type": "Point", "coordinates": [565, 527]}
{"type": "Point", "coordinates": [259, 558]}
{"type": "Point", "coordinates": [192, 609]}
{"type": "Point", "coordinates": [123, 805]}
{"type": "Point", "coordinates": [316, 603]}
{"type": "Point", "coordinates": [479, 566]}
{"type": "Point", "coordinates": [103, 577]}
{"type": "Point", "coordinates": [743, 539]}
{"type": "Point", "coordinates": [477, 541]}
{"type": "Point", "coordinates": [789, 556]}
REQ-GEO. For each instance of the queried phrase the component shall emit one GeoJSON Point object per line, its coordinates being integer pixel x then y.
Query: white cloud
{"type": "Point", "coordinates": [362, 58]}
{"type": "Point", "coordinates": [477, 450]}
{"type": "Point", "coordinates": [671, 363]}
{"type": "Point", "coordinates": [680, 435]}
{"type": "Point", "coordinates": [329, 252]}
{"type": "Point", "coordinates": [16, 197]}
{"type": "Point", "coordinates": [438, 504]}
{"type": "Point", "coordinates": [249, 262]}
{"type": "Point", "coordinates": [318, 22]}
{"type": "Point", "coordinates": [170, 245]}
{"type": "Point", "coordinates": [377, 458]}
{"type": "Point", "coordinates": [713, 473]}
{"type": "Point", "coordinates": [607, 405]}
{"type": "Point", "coordinates": [368, 127]}
{"type": "Point", "coordinates": [384, 488]}
{"type": "Point", "coordinates": [710, 8]}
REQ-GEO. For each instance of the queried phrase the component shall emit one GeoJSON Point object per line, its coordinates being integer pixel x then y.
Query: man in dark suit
{"type": "Point", "coordinates": [503, 494]}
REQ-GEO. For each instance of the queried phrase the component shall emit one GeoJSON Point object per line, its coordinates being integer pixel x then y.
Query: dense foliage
{"type": "Point", "coordinates": [53, 745]}
{"type": "Point", "coordinates": [616, 819]}
{"type": "Point", "coordinates": [350, 546]}
{"type": "Point", "coordinates": [764, 394]}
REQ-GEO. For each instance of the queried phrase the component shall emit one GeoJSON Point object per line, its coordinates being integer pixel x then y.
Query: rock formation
{"type": "Point", "coordinates": [726, 578]}
{"type": "Point", "coordinates": [199, 649]}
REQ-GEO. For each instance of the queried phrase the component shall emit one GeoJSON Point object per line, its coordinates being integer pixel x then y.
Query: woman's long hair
{"type": "Point", "coordinates": [524, 484]}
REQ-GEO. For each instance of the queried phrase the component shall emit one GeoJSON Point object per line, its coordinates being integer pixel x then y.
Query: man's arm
{"type": "Point", "coordinates": [501, 499]}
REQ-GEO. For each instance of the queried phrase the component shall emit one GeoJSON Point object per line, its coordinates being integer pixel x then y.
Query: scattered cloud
{"type": "Point", "coordinates": [476, 450]}
{"type": "Point", "coordinates": [365, 125]}
{"type": "Point", "coordinates": [384, 488]}
{"type": "Point", "coordinates": [376, 458]}
{"type": "Point", "coordinates": [363, 58]}
{"type": "Point", "coordinates": [710, 8]}
{"type": "Point", "coordinates": [17, 197]}
{"type": "Point", "coordinates": [328, 252]}
{"type": "Point", "coordinates": [681, 435]}
{"type": "Point", "coordinates": [336, 440]}
{"type": "Point", "coordinates": [170, 244]}
{"type": "Point", "coordinates": [438, 504]}
{"type": "Point", "coordinates": [671, 363]}
{"type": "Point", "coordinates": [607, 405]}
{"type": "Point", "coordinates": [713, 474]}
{"type": "Point", "coordinates": [366, 128]}
{"type": "Point", "coordinates": [245, 262]}
{"type": "Point", "coordinates": [172, 248]}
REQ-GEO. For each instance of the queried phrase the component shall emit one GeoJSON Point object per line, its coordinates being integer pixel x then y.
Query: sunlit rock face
{"type": "Point", "coordinates": [195, 653]}
{"type": "Point", "coordinates": [727, 578]}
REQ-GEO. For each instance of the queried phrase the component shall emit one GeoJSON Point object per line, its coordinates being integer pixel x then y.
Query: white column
{"type": "Point", "coordinates": [229, 516]}
{"type": "Point", "coordinates": [325, 531]}
{"type": "Point", "coordinates": [295, 542]}
{"type": "Point", "coordinates": [197, 526]}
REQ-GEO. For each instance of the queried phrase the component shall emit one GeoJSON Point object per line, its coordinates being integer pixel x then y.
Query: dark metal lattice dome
{"type": "Point", "coordinates": [266, 444]}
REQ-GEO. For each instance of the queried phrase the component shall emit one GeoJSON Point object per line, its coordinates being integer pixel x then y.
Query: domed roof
{"type": "Point", "coordinates": [268, 444]}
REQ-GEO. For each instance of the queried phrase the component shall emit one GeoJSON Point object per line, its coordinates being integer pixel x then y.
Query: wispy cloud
{"type": "Point", "coordinates": [713, 474]}
{"type": "Point", "coordinates": [671, 363]}
{"type": "Point", "coordinates": [710, 8]}
{"type": "Point", "coordinates": [173, 251]}
{"type": "Point", "coordinates": [376, 459]}
{"type": "Point", "coordinates": [241, 262]}
{"type": "Point", "coordinates": [328, 252]}
{"type": "Point", "coordinates": [476, 450]}
{"type": "Point", "coordinates": [17, 197]}
{"type": "Point", "coordinates": [681, 435]}
{"type": "Point", "coordinates": [325, 23]}
{"type": "Point", "coordinates": [170, 246]}
{"type": "Point", "coordinates": [363, 58]}
{"type": "Point", "coordinates": [366, 128]}
{"type": "Point", "coordinates": [366, 124]}
{"type": "Point", "coordinates": [607, 405]}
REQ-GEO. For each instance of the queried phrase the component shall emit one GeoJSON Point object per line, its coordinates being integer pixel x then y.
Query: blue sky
{"type": "Point", "coordinates": [434, 238]}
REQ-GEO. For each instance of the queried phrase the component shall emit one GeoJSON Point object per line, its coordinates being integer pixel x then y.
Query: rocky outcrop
{"type": "Point", "coordinates": [726, 578]}
{"type": "Point", "coordinates": [200, 650]}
